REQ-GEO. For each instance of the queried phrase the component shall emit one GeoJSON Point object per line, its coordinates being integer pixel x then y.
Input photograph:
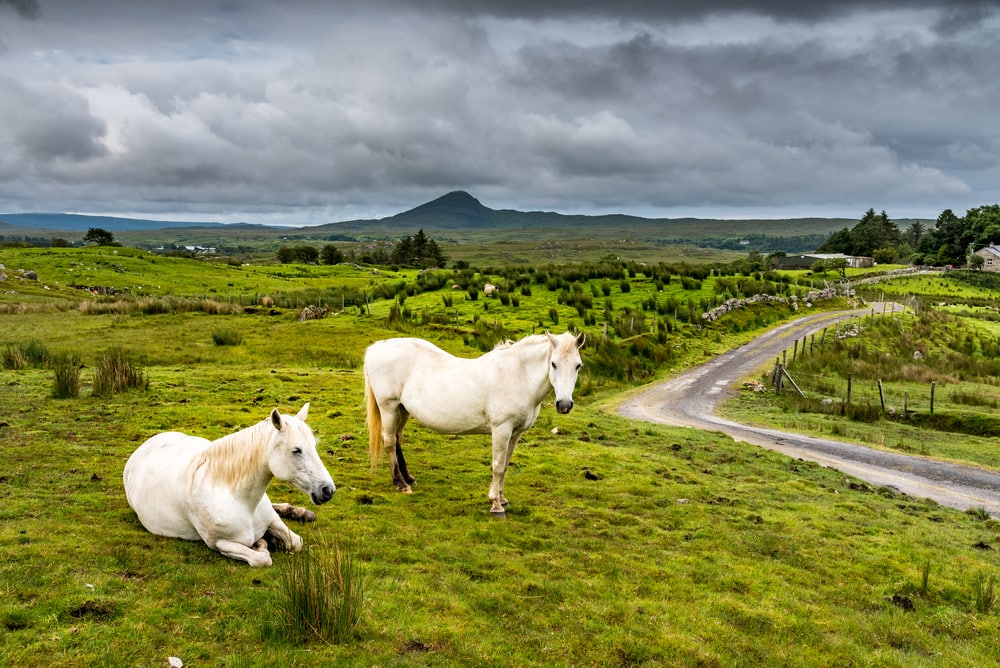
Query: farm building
{"type": "Point", "coordinates": [991, 257]}
{"type": "Point", "coordinates": [807, 260]}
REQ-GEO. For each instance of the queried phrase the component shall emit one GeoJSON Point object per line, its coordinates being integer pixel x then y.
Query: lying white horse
{"type": "Point", "coordinates": [499, 393]}
{"type": "Point", "coordinates": [188, 487]}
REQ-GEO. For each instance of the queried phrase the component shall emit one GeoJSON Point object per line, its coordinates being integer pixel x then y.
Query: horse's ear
{"type": "Point", "coordinates": [580, 339]}
{"type": "Point", "coordinates": [276, 419]}
{"type": "Point", "coordinates": [303, 413]}
{"type": "Point", "coordinates": [552, 339]}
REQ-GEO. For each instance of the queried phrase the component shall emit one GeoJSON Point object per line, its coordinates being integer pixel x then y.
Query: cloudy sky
{"type": "Point", "coordinates": [302, 112]}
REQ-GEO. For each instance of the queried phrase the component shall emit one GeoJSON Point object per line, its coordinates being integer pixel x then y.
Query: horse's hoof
{"type": "Point", "coordinates": [498, 514]}
{"type": "Point", "coordinates": [405, 489]}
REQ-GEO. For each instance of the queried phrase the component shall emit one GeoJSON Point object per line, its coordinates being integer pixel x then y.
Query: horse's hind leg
{"type": "Point", "coordinates": [400, 460]}
{"type": "Point", "coordinates": [392, 430]}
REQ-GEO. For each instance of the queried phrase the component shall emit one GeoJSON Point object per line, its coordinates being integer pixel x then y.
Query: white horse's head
{"type": "Point", "coordinates": [564, 365]}
{"type": "Point", "coordinates": [292, 456]}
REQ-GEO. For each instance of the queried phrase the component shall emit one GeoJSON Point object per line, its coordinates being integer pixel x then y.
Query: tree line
{"type": "Point", "coordinates": [416, 251]}
{"type": "Point", "coordinates": [951, 241]}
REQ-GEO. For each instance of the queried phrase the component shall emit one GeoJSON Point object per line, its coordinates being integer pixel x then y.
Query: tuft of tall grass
{"type": "Point", "coordinates": [227, 336]}
{"type": "Point", "coordinates": [114, 373]}
{"type": "Point", "coordinates": [31, 353]}
{"type": "Point", "coordinates": [321, 594]}
{"type": "Point", "coordinates": [985, 588]}
{"type": "Point", "coordinates": [66, 376]}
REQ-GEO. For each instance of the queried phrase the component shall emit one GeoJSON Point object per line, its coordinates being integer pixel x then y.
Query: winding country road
{"type": "Point", "coordinates": [689, 400]}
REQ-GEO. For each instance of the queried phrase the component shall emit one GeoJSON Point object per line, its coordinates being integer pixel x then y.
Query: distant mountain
{"type": "Point", "coordinates": [455, 217]}
{"type": "Point", "coordinates": [72, 222]}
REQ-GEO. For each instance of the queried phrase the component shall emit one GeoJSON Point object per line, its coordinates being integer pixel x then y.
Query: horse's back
{"type": "Point", "coordinates": [444, 392]}
{"type": "Point", "coordinates": [155, 487]}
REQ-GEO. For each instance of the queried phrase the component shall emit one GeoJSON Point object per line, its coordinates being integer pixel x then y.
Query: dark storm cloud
{"type": "Point", "coordinates": [318, 111]}
{"type": "Point", "coordinates": [27, 9]}
{"type": "Point", "coordinates": [659, 10]}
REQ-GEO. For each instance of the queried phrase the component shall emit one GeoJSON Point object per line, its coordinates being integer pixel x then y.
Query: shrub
{"type": "Point", "coordinates": [226, 336]}
{"type": "Point", "coordinates": [321, 594]}
{"type": "Point", "coordinates": [113, 373]}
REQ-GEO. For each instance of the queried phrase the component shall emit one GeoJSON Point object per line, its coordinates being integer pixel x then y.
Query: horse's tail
{"type": "Point", "coordinates": [374, 420]}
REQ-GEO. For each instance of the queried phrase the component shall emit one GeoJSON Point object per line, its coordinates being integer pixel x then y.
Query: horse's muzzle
{"type": "Point", "coordinates": [324, 494]}
{"type": "Point", "coordinates": [564, 406]}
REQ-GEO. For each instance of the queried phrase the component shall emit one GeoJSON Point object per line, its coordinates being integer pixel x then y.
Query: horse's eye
{"type": "Point", "coordinates": [296, 451]}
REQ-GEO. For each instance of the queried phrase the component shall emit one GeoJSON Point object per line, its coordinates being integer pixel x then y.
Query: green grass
{"type": "Point", "coordinates": [938, 387]}
{"type": "Point", "coordinates": [626, 544]}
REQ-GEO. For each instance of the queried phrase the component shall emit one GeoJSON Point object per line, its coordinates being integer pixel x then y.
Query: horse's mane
{"type": "Point", "coordinates": [236, 456]}
{"type": "Point", "coordinates": [525, 341]}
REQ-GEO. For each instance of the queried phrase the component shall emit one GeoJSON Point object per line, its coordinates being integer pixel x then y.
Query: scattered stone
{"type": "Point", "coordinates": [313, 313]}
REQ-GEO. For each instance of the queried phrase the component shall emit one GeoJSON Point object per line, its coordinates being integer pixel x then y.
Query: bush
{"type": "Point", "coordinates": [114, 373]}
{"type": "Point", "coordinates": [321, 595]}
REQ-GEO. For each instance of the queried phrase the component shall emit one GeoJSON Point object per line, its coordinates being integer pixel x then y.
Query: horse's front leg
{"type": "Point", "coordinates": [501, 459]}
{"type": "Point", "coordinates": [512, 443]}
{"type": "Point", "coordinates": [257, 556]}
{"type": "Point", "coordinates": [282, 537]}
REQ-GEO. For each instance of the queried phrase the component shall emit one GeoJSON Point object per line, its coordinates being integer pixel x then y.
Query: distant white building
{"type": "Point", "coordinates": [807, 260]}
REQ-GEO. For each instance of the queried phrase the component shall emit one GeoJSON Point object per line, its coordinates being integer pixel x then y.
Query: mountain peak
{"type": "Point", "coordinates": [455, 209]}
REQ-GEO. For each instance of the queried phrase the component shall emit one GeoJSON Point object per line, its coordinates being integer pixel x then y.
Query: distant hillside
{"type": "Point", "coordinates": [456, 217]}
{"type": "Point", "coordinates": [72, 222]}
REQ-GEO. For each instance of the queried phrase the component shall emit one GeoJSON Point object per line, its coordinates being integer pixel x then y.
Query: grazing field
{"type": "Point", "coordinates": [625, 544]}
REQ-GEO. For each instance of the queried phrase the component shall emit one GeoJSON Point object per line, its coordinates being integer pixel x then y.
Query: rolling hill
{"type": "Point", "coordinates": [455, 217]}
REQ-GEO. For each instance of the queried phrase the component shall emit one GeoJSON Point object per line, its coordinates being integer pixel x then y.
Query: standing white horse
{"type": "Point", "coordinates": [188, 487]}
{"type": "Point", "coordinates": [499, 393]}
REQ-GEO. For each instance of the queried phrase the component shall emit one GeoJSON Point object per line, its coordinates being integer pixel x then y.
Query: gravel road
{"type": "Point", "coordinates": [689, 400]}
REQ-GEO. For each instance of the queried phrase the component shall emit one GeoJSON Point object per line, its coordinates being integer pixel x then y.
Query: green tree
{"type": "Point", "coordinates": [914, 233]}
{"type": "Point", "coordinates": [330, 254]}
{"type": "Point", "coordinates": [418, 251]}
{"type": "Point", "coordinates": [99, 236]}
{"type": "Point", "coordinates": [884, 255]}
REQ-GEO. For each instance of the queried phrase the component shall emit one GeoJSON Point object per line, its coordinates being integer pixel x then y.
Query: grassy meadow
{"type": "Point", "coordinates": [626, 544]}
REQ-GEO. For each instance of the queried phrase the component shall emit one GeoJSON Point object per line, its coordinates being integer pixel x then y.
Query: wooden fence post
{"type": "Point", "coordinates": [849, 388]}
{"type": "Point", "coordinates": [933, 383]}
{"type": "Point", "coordinates": [881, 395]}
